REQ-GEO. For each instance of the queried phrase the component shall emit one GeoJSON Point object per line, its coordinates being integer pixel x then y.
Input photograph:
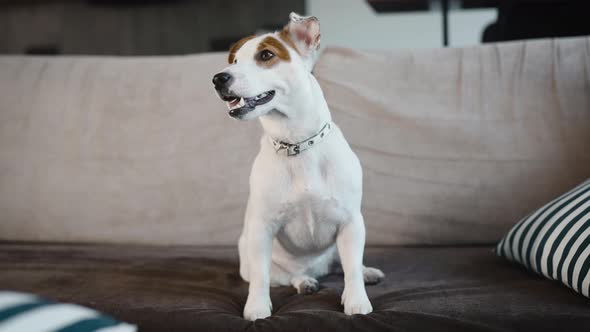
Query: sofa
{"type": "Point", "coordinates": [123, 184]}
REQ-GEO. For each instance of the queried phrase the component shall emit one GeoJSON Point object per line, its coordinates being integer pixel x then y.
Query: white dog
{"type": "Point", "coordinates": [304, 209]}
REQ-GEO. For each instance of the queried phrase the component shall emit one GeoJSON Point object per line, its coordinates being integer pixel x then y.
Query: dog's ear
{"type": "Point", "coordinates": [303, 33]}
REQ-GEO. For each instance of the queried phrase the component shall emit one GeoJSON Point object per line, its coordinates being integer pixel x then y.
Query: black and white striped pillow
{"type": "Point", "coordinates": [21, 312]}
{"type": "Point", "coordinates": [555, 240]}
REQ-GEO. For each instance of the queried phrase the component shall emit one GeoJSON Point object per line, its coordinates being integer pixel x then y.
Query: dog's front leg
{"type": "Point", "coordinates": [351, 244]}
{"type": "Point", "coordinates": [259, 250]}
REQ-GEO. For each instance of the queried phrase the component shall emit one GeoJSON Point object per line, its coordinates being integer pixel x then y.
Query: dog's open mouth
{"type": "Point", "coordinates": [239, 106]}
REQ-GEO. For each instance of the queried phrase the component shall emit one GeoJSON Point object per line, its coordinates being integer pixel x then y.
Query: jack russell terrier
{"type": "Point", "coordinates": [304, 208]}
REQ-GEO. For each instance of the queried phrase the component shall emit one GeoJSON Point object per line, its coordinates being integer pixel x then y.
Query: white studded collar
{"type": "Point", "coordinates": [293, 149]}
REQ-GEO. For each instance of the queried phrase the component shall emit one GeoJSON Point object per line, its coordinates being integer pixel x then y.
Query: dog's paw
{"type": "Point", "coordinates": [356, 302]}
{"type": "Point", "coordinates": [372, 275]}
{"type": "Point", "coordinates": [306, 285]}
{"type": "Point", "coordinates": [256, 309]}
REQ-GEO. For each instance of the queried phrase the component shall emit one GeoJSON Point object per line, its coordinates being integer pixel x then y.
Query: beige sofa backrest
{"type": "Point", "coordinates": [456, 144]}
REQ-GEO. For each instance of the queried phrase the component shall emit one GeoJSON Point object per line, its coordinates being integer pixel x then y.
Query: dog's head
{"type": "Point", "coordinates": [266, 72]}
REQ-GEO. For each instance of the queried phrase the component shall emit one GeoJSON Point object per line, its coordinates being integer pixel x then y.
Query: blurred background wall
{"type": "Point", "coordinates": [134, 27]}
{"type": "Point", "coordinates": [357, 24]}
{"type": "Point", "coordinates": [154, 27]}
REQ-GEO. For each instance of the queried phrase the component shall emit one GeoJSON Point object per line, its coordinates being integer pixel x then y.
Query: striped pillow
{"type": "Point", "coordinates": [555, 240]}
{"type": "Point", "coordinates": [21, 312]}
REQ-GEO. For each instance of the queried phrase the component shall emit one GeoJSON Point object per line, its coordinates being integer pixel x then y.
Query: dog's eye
{"type": "Point", "coordinates": [266, 55]}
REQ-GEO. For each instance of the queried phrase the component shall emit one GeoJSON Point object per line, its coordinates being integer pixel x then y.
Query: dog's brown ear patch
{"type": "Point", "coordinates": [285, 36]}
{"type": "Point", "coordinates": [235, 47]}
{"type": "Point", "coordinates": [274, 46]}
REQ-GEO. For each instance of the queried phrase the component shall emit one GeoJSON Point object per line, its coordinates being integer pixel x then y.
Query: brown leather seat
{"type": "Point", "coordinates": [199, 289]}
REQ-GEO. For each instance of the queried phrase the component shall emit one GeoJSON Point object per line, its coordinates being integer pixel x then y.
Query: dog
{"type": "Point", "coordinates": [304, 208]}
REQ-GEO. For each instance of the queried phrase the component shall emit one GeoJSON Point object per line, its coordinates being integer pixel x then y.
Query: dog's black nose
{"type": "Point", "coordinates": [221, 80]}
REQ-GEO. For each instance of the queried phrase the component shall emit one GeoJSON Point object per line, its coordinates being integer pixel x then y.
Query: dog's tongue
{"type": "Point", "coordinates": [236, 103]}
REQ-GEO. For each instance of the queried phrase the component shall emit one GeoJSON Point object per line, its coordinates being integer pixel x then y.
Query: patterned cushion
{"type": "Point", "coordinates": [25, 312]}
{"type": "Point", "coordinates": [554, 240]}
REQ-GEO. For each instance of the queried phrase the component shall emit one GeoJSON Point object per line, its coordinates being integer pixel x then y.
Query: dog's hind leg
{"type": "Point", "coordinates": [305, 284]}
{"type": "Point", "coordinates": [372, 275]}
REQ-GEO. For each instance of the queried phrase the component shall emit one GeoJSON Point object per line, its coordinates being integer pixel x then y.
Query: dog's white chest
{"type": "Point", "coordinates": [307, 197]}
{"type": "Point", "coordinates": [308, 225]}
{"type": "Point", "coordinates": [312, 212]}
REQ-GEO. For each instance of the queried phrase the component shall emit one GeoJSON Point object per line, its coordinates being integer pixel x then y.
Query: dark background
{"type": "Point", "coordinates": [151, 27]}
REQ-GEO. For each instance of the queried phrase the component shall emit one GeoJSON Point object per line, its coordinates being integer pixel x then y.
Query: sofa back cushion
{"type": "Point", "coordinates": [456, 144]}
{"type": "Point", "coordinates": [114, 149]}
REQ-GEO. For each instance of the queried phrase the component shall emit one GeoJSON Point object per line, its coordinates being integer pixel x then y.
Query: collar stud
{"type": "Point", "coordinates": [293, 149]}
